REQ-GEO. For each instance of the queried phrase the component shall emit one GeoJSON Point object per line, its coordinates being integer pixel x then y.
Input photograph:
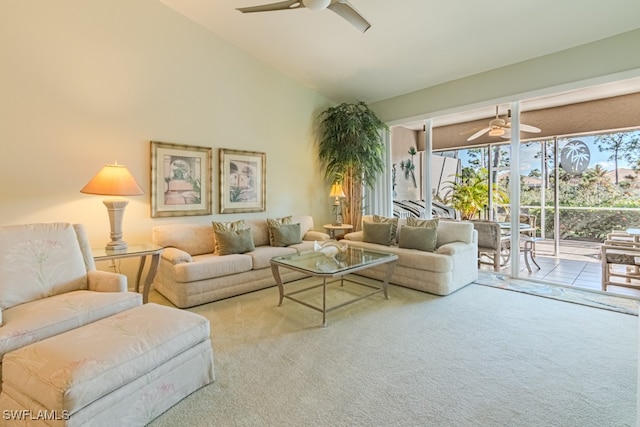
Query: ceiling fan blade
{"type": "Point", "coordinates": [529, 128]}
{"type": "Point", "coordinates": [348, 12]}
{"type": "Point", "coordinates": [282, 5]}
{"type": "Point", "coordinates": [479, 133]}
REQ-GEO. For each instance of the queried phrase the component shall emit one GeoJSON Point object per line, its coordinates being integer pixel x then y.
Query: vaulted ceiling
{"type": "Point", "coordinates": [412, 44]}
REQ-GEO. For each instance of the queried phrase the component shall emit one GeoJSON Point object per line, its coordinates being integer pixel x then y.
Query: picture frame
{"type": "Point", "coordinates": [180, 180]}
{"type": "Point", "coordinates": [242, 181]}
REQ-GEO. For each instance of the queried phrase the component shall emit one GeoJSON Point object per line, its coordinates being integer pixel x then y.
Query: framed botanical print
{"type": "Point", "coordinates": [180, 180]}
{"type": "Point", "coordinates": [242, 181]}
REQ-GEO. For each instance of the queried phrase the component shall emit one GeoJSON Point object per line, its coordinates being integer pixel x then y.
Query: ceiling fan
{"type": "Point", "coordinates": [341, 7]}
{"type": "Point", "coordinates": [500, 127]}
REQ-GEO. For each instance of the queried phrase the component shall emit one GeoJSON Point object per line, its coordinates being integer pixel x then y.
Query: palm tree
{"type": "Point", "coordinates": [469, 193]}
{"type": "Point", "coordinates": [351, 150]}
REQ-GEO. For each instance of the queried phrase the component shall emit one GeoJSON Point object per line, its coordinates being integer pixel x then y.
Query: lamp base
{"type": "Point", "coordinates": [120, 246]}
{"type": "Point", "coordinates": [115, 208]}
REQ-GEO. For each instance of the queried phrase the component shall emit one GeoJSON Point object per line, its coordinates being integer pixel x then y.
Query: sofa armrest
{"type": "Point", "coordinates": [312, 235]}
{"type": "Point", "coordinates": [455, 248]}
{"type": "Point", "coordinates": [106, 281]}
{"type": "Point", "coordinates": [356, 236]}
{"type": "Point", "coordinates": [175, 256]}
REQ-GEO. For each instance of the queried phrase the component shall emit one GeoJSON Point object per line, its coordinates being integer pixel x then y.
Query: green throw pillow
{"type": "Point", "coordinates": [421, 238]}
{"type": "Point", "coordinates": [226, 226]}
{"type": "Point", "coordinates": [392, 221]}
{"type": "Point", "coordinates": [285, 235]}
{"type": "Point", "coordinates": [233, 242]}
{"type": "Point", "coordinates": [277, 222]}
{"type": "Point", "coordinates": [377, 232]}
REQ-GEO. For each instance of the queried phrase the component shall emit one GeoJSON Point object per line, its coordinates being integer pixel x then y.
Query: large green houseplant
{"type": "Point", "coordinates": [351, 150]}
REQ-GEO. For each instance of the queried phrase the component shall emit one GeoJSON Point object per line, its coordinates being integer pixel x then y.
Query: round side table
{"type": "Point", "coordinates": [331, 229]}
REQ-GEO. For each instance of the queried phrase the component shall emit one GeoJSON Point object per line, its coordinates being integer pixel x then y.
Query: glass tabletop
{"type": "Point", "coordinates": [318, 263]}
{"type": "Point", "coordinates": [131, 250]}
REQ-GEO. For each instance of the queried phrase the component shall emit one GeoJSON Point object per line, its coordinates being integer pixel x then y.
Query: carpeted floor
{"type": "Point", "coordinates": [478, 357]}
{"type": "Point", "coordinates": [561, 293]}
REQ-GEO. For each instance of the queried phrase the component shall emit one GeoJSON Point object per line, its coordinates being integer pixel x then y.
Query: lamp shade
{"type": "Point", "coordinates": [336, 191]}
{"type": "Point", "coordinates": [316, 4]}
{"type": "Point", "coordinates": [113, 180]}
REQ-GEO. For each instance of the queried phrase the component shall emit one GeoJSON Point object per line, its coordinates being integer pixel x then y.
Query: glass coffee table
{"type": "Point", "coordinates": [319, 265]}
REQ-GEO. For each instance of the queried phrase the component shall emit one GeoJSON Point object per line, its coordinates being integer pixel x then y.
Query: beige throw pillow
{"type": "Point", "coordinates": [421, 238]}
{"type": "Point", "coordinates": [233, 242]}
{"type": "Point", "coordinates": [416, 222]}
{"type": "Point", "coordinates": [379, 233]}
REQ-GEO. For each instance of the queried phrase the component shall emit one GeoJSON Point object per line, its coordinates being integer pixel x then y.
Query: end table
{"type": "Point", "coordinates": [331, 228]}
{"type": "Point", "coordinates": [137, 250]}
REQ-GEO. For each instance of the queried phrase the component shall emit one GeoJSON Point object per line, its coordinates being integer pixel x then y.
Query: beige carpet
{"type": "Point", "coordinates": [479, 357]}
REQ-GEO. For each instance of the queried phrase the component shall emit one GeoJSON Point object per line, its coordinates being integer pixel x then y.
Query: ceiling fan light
{"type": "Point", "coordinates": [496, 132]}
{"type": "Point", "coordinates": [316, 4]}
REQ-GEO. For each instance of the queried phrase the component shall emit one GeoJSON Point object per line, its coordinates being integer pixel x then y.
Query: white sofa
{"type": "Point", "coordinates": [49, 284]}
{"type": "Point", "coordinates": [191, 274]}
{"type": "Point", "coordinates": [450, 267]}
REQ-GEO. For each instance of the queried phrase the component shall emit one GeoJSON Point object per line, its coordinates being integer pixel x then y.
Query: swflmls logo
{"type": "Point", "coordinates": [25, 414]}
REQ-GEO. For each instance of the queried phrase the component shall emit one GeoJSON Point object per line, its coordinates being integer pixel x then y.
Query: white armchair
{"type": "Point", "coordinates": [49, 284]}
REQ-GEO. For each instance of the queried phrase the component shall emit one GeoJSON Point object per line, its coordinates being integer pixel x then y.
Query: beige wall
{"type": "Point", "coordinates": [611, 59]}
{"type": "Point", "coordinates": [86, 82]}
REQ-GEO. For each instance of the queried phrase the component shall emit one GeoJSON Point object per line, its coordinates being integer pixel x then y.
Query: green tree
{"type": "Point", "coordinates": [623, 145]}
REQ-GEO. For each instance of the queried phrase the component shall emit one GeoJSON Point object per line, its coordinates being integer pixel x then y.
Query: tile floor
{"type": "Point", "coordinates": [577, 265]}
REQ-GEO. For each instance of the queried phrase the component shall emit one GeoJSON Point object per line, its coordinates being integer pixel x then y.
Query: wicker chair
{"type": "Point", "coordinates": [625, 255]}
{"type": "Point", "coordinates": [492, 243]}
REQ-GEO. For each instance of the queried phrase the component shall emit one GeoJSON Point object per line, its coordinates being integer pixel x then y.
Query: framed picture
{"type": "Point", "coordinates": [242, 181]}
{"type": "Point", "coordinates": [180, 180]}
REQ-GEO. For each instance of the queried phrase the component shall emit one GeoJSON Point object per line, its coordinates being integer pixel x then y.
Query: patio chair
{"type": "Point", "coordinates": [492, 243]}
{"type": "Point", "coordinates": [620, 259]}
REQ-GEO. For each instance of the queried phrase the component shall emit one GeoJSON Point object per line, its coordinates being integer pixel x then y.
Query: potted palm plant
{"type": "Point", "coordinates": [469, 193]}
{"type": "Point", "coordinates": [351, 150]}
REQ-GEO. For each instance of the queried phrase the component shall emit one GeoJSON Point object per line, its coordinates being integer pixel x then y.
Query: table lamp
{"type": "Point", "coordinates": [336, 191]}
{"type": "Point", "coordinates": [114, 180]}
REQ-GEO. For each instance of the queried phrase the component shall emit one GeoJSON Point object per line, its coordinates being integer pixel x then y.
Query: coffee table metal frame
{"type": "Point", "coordinates": [342, 269]}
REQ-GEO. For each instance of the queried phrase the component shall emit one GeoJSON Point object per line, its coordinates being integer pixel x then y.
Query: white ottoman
{"type": "Point", "coordinates": [123, 370]}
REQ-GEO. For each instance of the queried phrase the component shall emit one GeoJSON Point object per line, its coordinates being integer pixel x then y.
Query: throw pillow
{"type": "Point", "coordinates": [277, 222]}
{"type": "Point", "coordinates": [233, 242]}
{"type": "Point", "coordinates": [394, 225]}
{"type": "Point", "coordinates": [226, 226]}
{"type": "Point", "coordinates": [285, 235]}
{"type": "Point", "coordinates": [429, 223]}
{"type": "Point", "coordinates": [421, 238]}
{"type": "Point", "coordinates": [374, 232]}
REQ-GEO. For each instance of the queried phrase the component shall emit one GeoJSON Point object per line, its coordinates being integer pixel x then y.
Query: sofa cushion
{"type": "Point", "coordinates": [454, 231]}
{"type": "Point", "coordinates": [194, 239]}
{"type": "Point", "coordinates": [285, 235]}
{"type": "Point", "coordinates": [379, 233]}
{"type": "Point", "coordinates": [226, 229]}
{"type": "Point", "coordinates": [261, 257]}
{"type": "Point", "coordinates": [421, 238]}
{"type": "Point", "coordinates": [36, 320]}
{"type": "Point", "coordinates": [233, 242]}
{"type": "Point", "coordinates": [38, 261]}
{"type": "Point", "coordinates": [209, 266]}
